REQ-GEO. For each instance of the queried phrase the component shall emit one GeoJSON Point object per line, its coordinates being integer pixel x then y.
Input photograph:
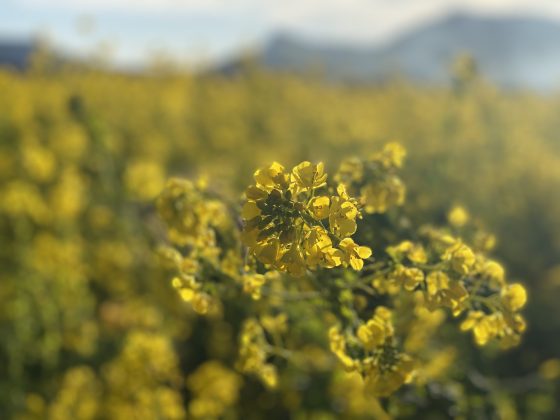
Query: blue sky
{"type": "Point", "coordinates": [199, 30]}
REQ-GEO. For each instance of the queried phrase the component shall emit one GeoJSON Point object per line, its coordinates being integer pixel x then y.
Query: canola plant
{"type": "Point", "coordinates": [297, 241]}
{"type": "Point", "coordinates": [138, 283]}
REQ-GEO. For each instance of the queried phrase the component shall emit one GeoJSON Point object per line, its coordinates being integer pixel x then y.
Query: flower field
{"type": "Point", "coordinates": [181, 246]}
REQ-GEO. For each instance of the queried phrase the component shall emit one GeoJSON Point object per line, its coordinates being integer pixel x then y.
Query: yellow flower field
{"type": "Point", "coordinates": [180, 246]}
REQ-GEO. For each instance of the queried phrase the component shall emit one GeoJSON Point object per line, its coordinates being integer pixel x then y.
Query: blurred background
{"type": "Point", "coordinates": [101, 101]}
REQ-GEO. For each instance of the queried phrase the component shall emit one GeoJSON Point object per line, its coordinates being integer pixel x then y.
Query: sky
{"type": "Point", "coordinates": [130, 31]}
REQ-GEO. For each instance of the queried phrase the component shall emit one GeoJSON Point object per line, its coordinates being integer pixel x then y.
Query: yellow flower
{"type": "Point", "coordinates": [371, 335]}
{"type": "Point", "coordinates": [293, 261]}
{"type": "Point", "coordinates": [337, 344]}
{"type": "Point", "coordinates": [386, 284]}
{"type": "Point", "coordinates": [268, 252]}
{"type": "Point", "coordinates": [284, 230]}
{"type": "Point", "coordinates": [458, 217]}
{"type": "Point", "coordinates": [342, 214]}
{"type": "Point", "coordinates": [275, 324]}
{"type": "Point", "coordinates": [201, 303]}
{"type": "Point", "coordinates": [446, 292]}
{"type": "Point", "coordinates": [381, 380]}
{"type": "Point", "coordinates": [482, 331]}
{"type": "Point", "coordinates": [494, 271]}
{"type": "Point", "coordinates": [392, 155]}
{"type": "Point", "coordinates": [353, 253]}
{"type": "Point", "coordinates": [410, 277]}
{"type": "Point", "coordinates": [255, 192]}
{"type": "Point", "coordinates": [320, 207]}
{"type": "Point", "coordinates": [350, 170]}
{"type": "Point", "coordinates": [379, 195]}
{"type": "Point", "coordinates": [307, 176]}
{"type": "Point", "coordinates": [190, 216]}
{"type": "Point", "coordinates": [514, 297]}
{"type": "Point", "coordinates": [377, 330]}
{"type": "Point", "coordinates": [417, 254]}
{"type": "Point", "coordinates": [400, 250]}
{"type": "Point", "coordinates": [495, 325]}
{"type": "Point", "coordinates": [189, 265]}
{"type": "Point", "coordinates": [186, 286]}
{"type": "Point", "coordinates": [252, 355]}
{"type": "Point", "coordinates": [462, 258]}
{"type": "Point", "coordinates": [269, 376]}
{"type": "Point", "coordinates": [333, 257]}
{"type": "Point", "coordinates": [436, 281]}
{"type": "Point", "coordinates": [252, 284]}
{"type": "Point", "coordinates": [250, 210]}
{"type": "Point", "coordinates": [271, 177]}
{"type": "Point", "coordinates": [318, 249]}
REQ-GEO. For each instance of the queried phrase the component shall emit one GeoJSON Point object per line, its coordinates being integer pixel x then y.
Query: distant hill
{"type": "Point", "coordinates": [517, 52]}
{"type": "Point", "coordinates": [16, 54]}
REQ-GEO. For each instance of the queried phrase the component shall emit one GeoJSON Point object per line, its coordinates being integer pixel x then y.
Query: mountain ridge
{"type": "Point", "coordinates": [511, 51]}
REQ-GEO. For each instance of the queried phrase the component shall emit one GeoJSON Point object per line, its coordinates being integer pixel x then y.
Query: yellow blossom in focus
{"type": "Point", "coordinates": [342, 215]}
{"type": "Point", "coordinates": [307, 176]}
{"type": "Point", "coordinates": [320, 207]}
{"type": "Point", "coordinates": [271, 177]}
{"type": "Point", "coordinates": [353, 253]}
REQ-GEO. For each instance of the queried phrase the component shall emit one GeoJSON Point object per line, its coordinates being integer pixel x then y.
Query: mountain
{"type": "Point", "coordinates": [516, 52]}
{"type": "Point", "coordinates": [16, 54]}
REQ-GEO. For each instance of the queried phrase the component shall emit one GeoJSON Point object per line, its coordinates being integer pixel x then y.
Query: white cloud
{"type": "Point", "coordinates": [348, 19]}
{"type": "Point", "coordinates": [145, 6]}
{"type": "Point", "coordinates": [231, 23]}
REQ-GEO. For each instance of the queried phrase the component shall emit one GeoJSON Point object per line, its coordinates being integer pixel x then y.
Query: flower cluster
{"type": "Point", "coordinates": [198, 224]}
{"type": "Point", "coordinates": [501, 319]}
{"type": "Point", "coordinates": [294, 222]}
{"type": "Point", "coordinates": [253, 353]}
{"type": "Point", "coordinates": [190, 214]}
{"type": "Point", "coordinates": [383, 366]}
{"type": "Point", "coordinates": [449, 273]}
{"type": "Point", "coordinates": [374, 179]}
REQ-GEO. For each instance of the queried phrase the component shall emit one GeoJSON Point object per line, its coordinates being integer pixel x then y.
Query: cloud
{"type": "Point", "coordinates": [221, 27]}
{"type": "Point", "coordinates": [348, 19]}
{"type": "Point", "coordinates": [145, 6]}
